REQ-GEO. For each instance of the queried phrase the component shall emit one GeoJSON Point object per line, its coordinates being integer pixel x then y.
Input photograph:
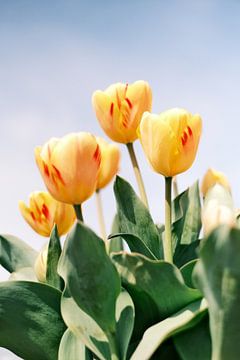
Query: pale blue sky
{"type": "Point", "coordinates": [54, 54]}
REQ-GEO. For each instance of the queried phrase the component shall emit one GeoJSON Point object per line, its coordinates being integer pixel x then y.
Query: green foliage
{"type": "Point", "coordinates": [217, 274]}
{"type": "Point", "coordinates": [115, 242]}
{"type": "Point", "coordinates": [30, 320]}
{"type": "Point", "coordinates": [54, 252]}
{"type": "Point", "coordinates": [72, 348]}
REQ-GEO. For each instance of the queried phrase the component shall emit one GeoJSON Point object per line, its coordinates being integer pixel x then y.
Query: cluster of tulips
{"type": "Point", "coordinates": [110, 303]}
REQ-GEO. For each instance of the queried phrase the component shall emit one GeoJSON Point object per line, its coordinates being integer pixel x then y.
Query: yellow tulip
{"type": "Point", "coordinates": [40, 266]}
{"type": "Point", "coordinates": [213, 177]}
{"type": "Point", "coordinates": [170, 140]}
{"type": "Point", "coordinates": [69, 166]}
{"type": "Point", "coordinates": [44, 211]}
{"type": "Point", "coordinates": [110, 158]}
{"type": "Point", "coordinates": [120, 107]}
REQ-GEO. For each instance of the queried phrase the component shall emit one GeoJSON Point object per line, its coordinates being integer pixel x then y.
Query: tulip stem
{"type": "Point", "coordinates": [100, 215]}
{"type": "Point", "coordinates": [78, 211]}
{"type": "Point", "coordinates": [167, 243]}
{"type": "Point", "coordinates": [175, 187]}
{"type": "Point", "coordinates": [138, 174]}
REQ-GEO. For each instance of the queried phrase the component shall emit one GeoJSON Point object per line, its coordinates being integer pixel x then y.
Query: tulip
{"type": "Point", "coordinates": [218, 209]}
{"type": "Point", "coordinates": [40, 266]}
{"type": "Point", "coordinates": [110, 157]}
{"type": "Point", "coordinates": [120, 107]}
{"type": "Point", "coordinates": [44, 211]}
{"type": "Point", "coordinates": [213, 177]}
{"type": "Point", "coordinates": [170, 140]}
{"type": "Point", "coordinates": [69, 166]}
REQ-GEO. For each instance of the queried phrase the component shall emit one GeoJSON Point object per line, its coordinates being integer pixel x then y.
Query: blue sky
{"type": "Point", "coordinates": [54, 54]}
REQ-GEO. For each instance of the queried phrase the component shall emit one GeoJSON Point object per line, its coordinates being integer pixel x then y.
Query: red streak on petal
{"type": "Point", "coordinates": [45, 211]}
{"type": "Point", "coordinates": [111, 109]}
{"type": "Point", "coordinates": [129, 103]}
{"type": "Point", "coordinates": [46, 171]}
{"type": "Point", "coordinates": [97, 155]}
{"type": "Point", "coordinates": [184, 138]}
{"type": "Point", "coordinates": [33, 216]}
{"type": "Point", "coordinates": [59, 175]}
{"type": "Point", "coordinates": [189, 131]}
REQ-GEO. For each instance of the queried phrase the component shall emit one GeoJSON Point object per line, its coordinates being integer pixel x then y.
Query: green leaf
{"type": "Point", "coordinates": [15, 253]}
{"type": "Point", "coordinates": [54, 252]}
{"type": "Point", "coordinates": [115, 242]}
{"type": "Point", "coordinates": [217, 274]}
{"type": "Point", "coordinates": [185, 253]}
{"type": "Point", "coordinates": [26, 274]}
{"type": "Point", "coordinates": [156, 287]}
{"type": "Point", "coordinates": [90, 276]}
{"type": "Point", "coordinates": [31, 325]}
{"type": "Point", "coordinates": [187, 271]}
{"type": "Point", "coordinates": [72, 348]}
{"type": "Point", "coordinates": [135, 219]}
{"type": "Point", "coordinates": [187, 215]}
{"type": "Point", "coordinates": [157, 334]}
{"type": "Point", "coordinates": [195, 343]}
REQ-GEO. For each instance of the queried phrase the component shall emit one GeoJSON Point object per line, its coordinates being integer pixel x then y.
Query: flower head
{"type": "Point", "coordinates": [213, 177]}
{"type": "Point", "coordinates": [120, 107]}
{"type": "Point", "coordinates": [170, 140]}
{"type": "Point", "coordinates": [69, 166]}
{"type": "Point", "coordinates": [44, 211]}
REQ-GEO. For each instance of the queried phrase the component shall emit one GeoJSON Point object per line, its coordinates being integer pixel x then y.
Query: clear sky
{"type": "Point", "coordinates": [54, 54]}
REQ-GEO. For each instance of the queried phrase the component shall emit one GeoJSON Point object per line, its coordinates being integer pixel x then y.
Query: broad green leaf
{"type": "Point", "coordinates": [135, 219]}
{"type": "Point", "coordinates": [195, 343]}
{"type": "Point", "coordinates": [31, 325]}
{"type": "Point", "coordinates": [185, 253]}
{"type": "Point", "coordinates": [115, 242]}
{"type": "Point", "coordinates": [187, 215]}
{"type": "Point", "coordinates": [153, 285]}
{"type": "Point", "coordinates": [15, 253]}
{"type": "Point", "coordinates": [217, 274]}
{"type": "Point", "coordinates": [157, 334]}
{"type": "Point", "coordinates": [54, 252]}
{"type": "Point", "coordinates": [26, 274]}
{"type": "Point", "coordinates": [90, 276]}
{"type": "Point", "coordinates": [187, 271]}
{"type": "Point", "coordinates": [72, 348]}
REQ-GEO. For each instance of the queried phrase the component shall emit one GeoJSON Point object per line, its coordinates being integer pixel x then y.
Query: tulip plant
{"type": "Point", "coordinates": [143, 290]}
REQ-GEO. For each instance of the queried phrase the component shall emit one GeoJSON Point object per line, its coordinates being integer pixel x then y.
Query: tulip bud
{"type": "Point", "coordinates": [44, 211]}
{"type": "Point", "coordinates": [213, 177]}
{"type": "Point", "coordinates": [110, 157]}
{"type": "Point", "coordinates": [40, 266]}
{"type": "Point", "coordinates": [170, 140]}
{"type": "Point", "coordinates": [120, 107]}
{"type": "Point", "coordinates": [69, 166]}
{"type": "Point", "coordinates": [218, 209]}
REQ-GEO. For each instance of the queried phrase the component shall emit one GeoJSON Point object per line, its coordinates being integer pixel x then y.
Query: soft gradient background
{"type": "Point", "coordinates": [54, 54]}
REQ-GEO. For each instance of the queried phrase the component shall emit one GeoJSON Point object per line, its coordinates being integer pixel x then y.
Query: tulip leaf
{"type": "Point", "coordinates": [72, 348]}
{"type": "Point", "coordinates": [217, 274]}
{"type": "Point", "coordinates": [26, 274]}
{"type": "Point", "coordinates": [187, 215]}
{"type": "Point", "coordinates": [186, 253]}
{"type": "Point", "coordinates": [153, 285]}
{"type": "Point", "coordinates": [195, 343]}
{"type": "Point", "coordinates": [15, 253]}
{"type": "Point", "coordinates": [31, 325]}
{"type": "Point", "coordinates": [115, 242]}
{"type": "Point", "coordinates": [158, 333]}
{"type": "Point", "coordinates": [135, 219]}
{"type": "Point", "coordinates": [54, 252]}
{"type": "Point", "coordinates": [187, 271]}
{"type": "Point", "coordinates": [90, 276]}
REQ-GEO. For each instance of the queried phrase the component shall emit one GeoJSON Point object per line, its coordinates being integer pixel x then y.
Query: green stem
{"type": "Point", "coordinates": [100, 215]}
{"type": "Point", "coordinates": [137, 173]}
{"type": "Point", "coordinates": [175, 187]}
{"type": "Point", "coordinates": [78, 211]}
{"type": "Point", "coordinates": [113, 346]}
{"type": "Point", "coordinates": [167, 244]}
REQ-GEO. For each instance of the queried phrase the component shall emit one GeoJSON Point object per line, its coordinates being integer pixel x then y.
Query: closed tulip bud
{"type": "Point", "coordinates": [213, 177]}
{"type": "Point", "coordinates": [218, 209]}
{"type": "Point", "coordinates": [40, 266]}
{"type": "Point", "coordinates": [69, 166]}
{"type": "Point", "coordinates": [44, 211]}
{"type": "Point", "coordinates": [170, 140]}
{"type": "Point", "coordinates": [110, 158]}
{"type": "Point", "coordinates": [120, 107]}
